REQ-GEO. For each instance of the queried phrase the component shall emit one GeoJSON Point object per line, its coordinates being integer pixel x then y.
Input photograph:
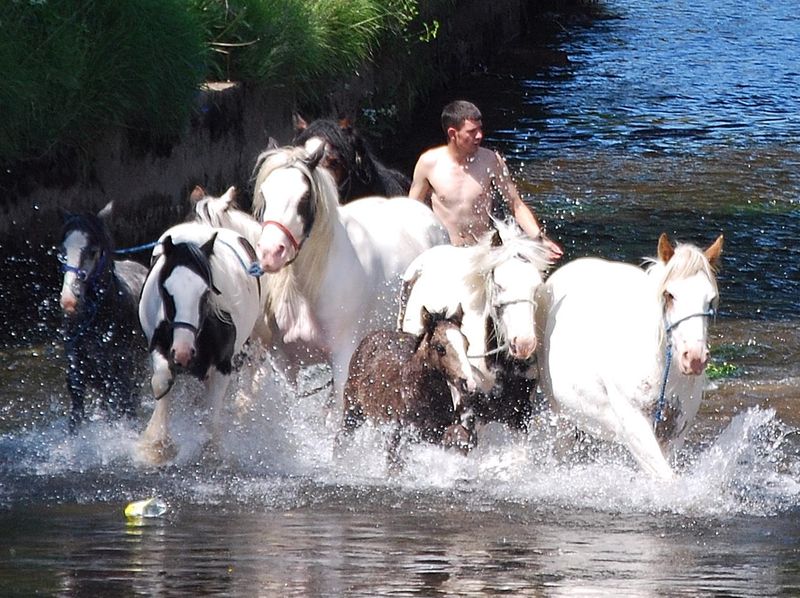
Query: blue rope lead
{"type": "Point", "coordinates": [661, 403]}
{"type": "Point", "coordinates": [136, 249]}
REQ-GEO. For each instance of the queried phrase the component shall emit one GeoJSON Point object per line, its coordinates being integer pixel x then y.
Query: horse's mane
{"type": "Point", "coordinates": [218, 269]}
{"type": "Point", "coordinates": [332, 132]}
{"type": "Point", "coordinates": [485, 256]}
{"type": "Point", "coordinates": [296, 286]}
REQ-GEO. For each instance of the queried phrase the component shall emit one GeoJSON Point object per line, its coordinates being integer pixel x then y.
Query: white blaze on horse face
{"type": "Point", "coordinates": [689, 298]}
{"type": "Point", "coordinates": [459, 343]}
{"type": "Point", "coordinates": [186, 289]}
{"type": "Point", "coordinates": [515, 283]}
{"type": "Point", "coordinates": [282, 192]}
{"type": "Point", "coordinates": [71, 286]}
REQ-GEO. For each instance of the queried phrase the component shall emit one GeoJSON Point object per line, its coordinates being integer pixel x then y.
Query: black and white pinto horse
{"type": "Point", "coordinates": [103, 345]}
{"type": "Point", "coordinates": [198, 307]}
{"type": "Point", "coordinates": [356, 170]}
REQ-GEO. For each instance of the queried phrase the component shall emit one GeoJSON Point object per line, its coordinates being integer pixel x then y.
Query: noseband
{"type": "Point", "coordinates": [295, 243]}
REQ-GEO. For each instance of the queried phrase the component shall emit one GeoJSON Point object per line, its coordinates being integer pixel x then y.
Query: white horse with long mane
{"type": "Point", "coordinates": [334, 270]}
{"type": "Point", "coordinates": [624, 350]}
{"type": "Point", "coordinates": [494, 281]}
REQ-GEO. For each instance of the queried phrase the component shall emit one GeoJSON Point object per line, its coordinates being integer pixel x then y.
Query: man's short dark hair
{"type": "Point", "coordinates": [455, 113]}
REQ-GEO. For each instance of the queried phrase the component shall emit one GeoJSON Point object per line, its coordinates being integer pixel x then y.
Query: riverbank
{"type": "Point", "coordinates": [149, 183]}
{"type": "Point", "coordinates": [232, 122]}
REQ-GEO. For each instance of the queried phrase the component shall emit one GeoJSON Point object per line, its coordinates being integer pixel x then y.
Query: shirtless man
{"type": "Point", "coordinates": [458, 181]}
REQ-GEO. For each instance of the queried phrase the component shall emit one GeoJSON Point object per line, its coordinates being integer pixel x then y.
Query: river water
{"type": "Point", "coordinates": [678, 117]}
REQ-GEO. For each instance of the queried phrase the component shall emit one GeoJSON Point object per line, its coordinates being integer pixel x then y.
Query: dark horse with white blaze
{"type": "Point", "coordinates": [409, 380]}
{"type": "Point", "coordinates": [103, 344]}
{"type": "Point", "coordinates": [357, 171]}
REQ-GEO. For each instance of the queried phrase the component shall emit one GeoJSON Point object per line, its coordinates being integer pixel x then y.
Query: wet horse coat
{"type": "Point", "coordinates": [334, 270]}
{"type": "Point", "coordinates": [494, 281]}
{"type": "Point", "coordinates": [103, 345]}
{"type": "Point", "coordinates": [624, 350]}
{"type": "Point", "coordinates": [198, 307]}
{"type": "Point", "coordinates": [409, 380]}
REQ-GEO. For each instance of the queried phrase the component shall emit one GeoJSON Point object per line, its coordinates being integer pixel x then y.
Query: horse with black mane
{"type": "Point", "coordinates": [358, 173]}
{"type": "Point", "coordinates": [103, 344]}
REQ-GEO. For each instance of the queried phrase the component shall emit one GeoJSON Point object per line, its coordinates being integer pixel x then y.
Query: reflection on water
{"type": "Point", "coordinates": [680, 118]}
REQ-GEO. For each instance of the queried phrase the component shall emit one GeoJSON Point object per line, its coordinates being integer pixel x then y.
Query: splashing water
{"type": "Point", "coordinates": [278, 446]}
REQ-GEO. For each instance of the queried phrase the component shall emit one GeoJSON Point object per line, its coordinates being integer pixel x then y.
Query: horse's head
{"type": "Point", "coordinates": [184, 284]}
{"type": "Point", "coordinates": [689, 296]}
{"type": "Point", "coordinates": [85, 255]}
{"type": "Point", "coordinates": [344, 150]}
{"type": "Point", "coordinates": [211, 210]}
{"type": "Point", "coordinates": [445, 349]}
{"type": "Point", "coordinates": [513, 267]}
{"type": "Point", "coordinates": [292, 196]}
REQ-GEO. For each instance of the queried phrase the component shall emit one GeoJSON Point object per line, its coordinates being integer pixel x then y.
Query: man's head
{"type": "Point", "coordinates": [462, 124]}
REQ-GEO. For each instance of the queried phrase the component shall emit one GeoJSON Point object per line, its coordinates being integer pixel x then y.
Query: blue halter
{"type": "Point", "coordinates": [662, 400]}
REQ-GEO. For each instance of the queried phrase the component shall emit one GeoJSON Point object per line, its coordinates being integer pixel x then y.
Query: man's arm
{"type": "Point", "coordinates": [420, 185]}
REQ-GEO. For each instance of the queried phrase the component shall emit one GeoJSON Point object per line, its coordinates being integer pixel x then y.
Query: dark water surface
{"type": "Point", "coordinates": [678, 117]}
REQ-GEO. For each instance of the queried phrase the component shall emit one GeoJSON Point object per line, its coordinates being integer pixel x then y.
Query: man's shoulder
{"type": "Point", "coordinates": [432, 155]}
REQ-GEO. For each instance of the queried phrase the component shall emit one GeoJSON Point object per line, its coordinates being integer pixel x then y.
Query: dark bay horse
{"type": "Point", "coordinates": [358, 173]}
{"type": "Point", "coordinates": [410, 380]}
{"type": "Point", "coordinates": [103, 344]}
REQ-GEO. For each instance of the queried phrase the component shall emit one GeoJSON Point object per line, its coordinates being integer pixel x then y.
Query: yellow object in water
{"type": "Point", "coordinates": [149, 507]}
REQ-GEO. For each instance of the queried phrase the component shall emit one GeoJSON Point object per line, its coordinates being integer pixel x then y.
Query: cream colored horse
{"type": "Point", "coordinates": [624, 350]}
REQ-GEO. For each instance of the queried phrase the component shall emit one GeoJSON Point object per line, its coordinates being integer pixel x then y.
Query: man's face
{"type": "Point", "coordinates": [468, 138]}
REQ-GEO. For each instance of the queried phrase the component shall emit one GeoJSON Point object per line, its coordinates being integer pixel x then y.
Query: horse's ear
{"type": "Point", "coordinates": [208, 247]}
{"type": "Point", "coordinates": [714, 252]}
{"type": "Point", "coordinates": [427, 320]}
{"type": "Point", "coordinates": [167, 245]}
{"type": "Point", "coordinates": [665, 248]}
{"type": "Point", "coordinates": [272, 144]}
{"type": "Point", "coordinates": [315, 157]}
{"type": "Point", "coordinates": [345, 123]}
{"type": "Point", "coordinates": [106, 211]}
{"type": "Point", "coordinates": [230, 197]}
{"type": "Point", "coordinates": [497, 240]}
{"type": "Point", "coordinates": [458, 317]}
{"type": "Point", "coordinates": [299, 122]}
{"type": "Point", "coordinates": [197, 194]}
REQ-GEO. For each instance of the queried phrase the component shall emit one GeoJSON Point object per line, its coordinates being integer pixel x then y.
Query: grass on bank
{"type": "Point", "coordinates": [76, 68]}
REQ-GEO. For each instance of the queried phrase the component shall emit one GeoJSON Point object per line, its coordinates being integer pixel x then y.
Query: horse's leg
{"type": "Point", "coordinates": [216, 384]}
{"type": "Point", "coordinates": [155, 445]}
{"type": "Point", "coordinates": [635, 431]}
{"type": "Point", "coordinates": [77, 390]}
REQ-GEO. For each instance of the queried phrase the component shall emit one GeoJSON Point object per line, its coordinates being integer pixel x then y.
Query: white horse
{"type": "Point", "coordinates": [624, 350]}
{"type": "Point", "coordinates": [334, 270]}
{"type": "Point", "coordinates": [494, 281]}
{"type": "Point", "coordinates": [198, 306]}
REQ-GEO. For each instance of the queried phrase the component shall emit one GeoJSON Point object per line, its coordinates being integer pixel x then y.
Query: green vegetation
{"type": "Point", "coordinates": [75, 68]}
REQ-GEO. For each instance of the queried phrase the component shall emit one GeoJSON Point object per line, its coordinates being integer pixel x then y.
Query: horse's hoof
{"type": "Point", "coordinates": [458, 437]}
{"type": "Point", "coordinates": [156, 453]}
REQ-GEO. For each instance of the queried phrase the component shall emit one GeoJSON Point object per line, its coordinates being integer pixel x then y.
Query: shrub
{"type": "Point", "coordinates": [74, 68]}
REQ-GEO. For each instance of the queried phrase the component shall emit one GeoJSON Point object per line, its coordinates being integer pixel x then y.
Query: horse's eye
{"type": "Point", "coordinates": [668, 297]}
{"type": "Point", "coordinates": [441, 349]}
